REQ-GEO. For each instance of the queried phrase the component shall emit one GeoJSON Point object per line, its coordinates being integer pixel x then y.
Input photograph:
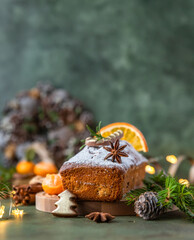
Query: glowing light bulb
{"type": "Point", "coordinates": [2, 210]}
{"type": "Point", "coordinates": [18, 213]}
{"type": "Point", "coordinates": [184, 182]}
{"type": "Point", "coordinates": [149, 169]}
{"type": "Point", "coordinates": [171, 159]}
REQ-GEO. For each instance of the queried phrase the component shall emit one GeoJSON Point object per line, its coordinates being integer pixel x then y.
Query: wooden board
{"type": "Point", "coordinates": [46, 203]}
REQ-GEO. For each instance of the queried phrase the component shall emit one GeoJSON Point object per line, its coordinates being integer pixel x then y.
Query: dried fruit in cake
{"type": "Point", "coordinates": [44, 168]}
{"type": "Point", "coordinates": [93, 176]}
{"type": "Point", "coordinates": [52, 184]}
{"type": "Point", "coordinates": [25, 167]}
{"type": "Point", "coordinates": [130, 134]}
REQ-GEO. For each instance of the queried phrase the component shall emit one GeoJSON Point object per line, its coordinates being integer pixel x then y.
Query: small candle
{"type": "Point", "coordinates": [2, 210]}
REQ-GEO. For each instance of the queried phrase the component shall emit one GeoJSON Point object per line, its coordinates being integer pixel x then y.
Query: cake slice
{"type": "Point", "coordinates": [90, 177]}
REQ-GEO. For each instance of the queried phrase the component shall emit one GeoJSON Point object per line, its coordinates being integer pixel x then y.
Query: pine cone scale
{"type": "Point", "coordinates": [147, 206]}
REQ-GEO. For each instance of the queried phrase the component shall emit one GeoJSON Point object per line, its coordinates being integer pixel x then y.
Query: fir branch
{"type": "Point", "coordinates": [170, 192]}
{"type": "Point", "coordinates": [133, 195]}
{"type": "Point", "coordinates": [4, 190]}
{"type": "Point", "coordinates": [6, 175]}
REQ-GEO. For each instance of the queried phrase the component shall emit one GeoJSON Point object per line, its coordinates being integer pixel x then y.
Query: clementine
{"type": "Point", "coordinates": [52, 184]}
{"type": "Point", "coordinates": [43, 168]}
{"type": "Point", "coordinates": [25, 167]}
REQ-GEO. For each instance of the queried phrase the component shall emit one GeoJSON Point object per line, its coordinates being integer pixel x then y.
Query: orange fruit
{"type": "Point", "coordinates": [25, 167]}
{"type": "Point", "coordinates": [52, 184]}
{"type": "Point", "coordinates": [130, 134]}
{"type": "Point", "coordinates": [43, 168]}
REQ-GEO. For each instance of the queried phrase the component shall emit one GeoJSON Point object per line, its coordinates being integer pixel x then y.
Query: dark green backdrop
{"type": "Point", "coordinates": [129, 60]}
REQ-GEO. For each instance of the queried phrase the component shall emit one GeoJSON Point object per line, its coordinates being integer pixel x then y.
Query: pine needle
{"type": "Point", "coordinates": [170, 192]}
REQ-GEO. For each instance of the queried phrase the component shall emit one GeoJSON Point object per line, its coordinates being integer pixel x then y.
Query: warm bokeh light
{"type": "Point", "coordinates": [2, 210]}
{"type": "Point", "coordinates": [184, 182]}
{"type": "Point", "coordinates": [171, 159]}
{"type": "Point", "coordinates": [17, 213]}
{"type": "Point", "coordinates": [149, 169]}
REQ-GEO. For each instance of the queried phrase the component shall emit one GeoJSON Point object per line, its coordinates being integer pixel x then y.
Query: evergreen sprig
{"type": "Point", "coordinates": [6, 175]}
{"type": "Point", "coordinates": [170, 192]}
{"type": "Point", "coordinates": [93, 133]}
{"type": "Point", "coordinates": [4, 190]}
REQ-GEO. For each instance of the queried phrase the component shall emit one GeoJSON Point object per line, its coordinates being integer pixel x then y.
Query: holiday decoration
{"type": "Point", "coordinates": [171, 159]}
{"type": "Point", "coordinates": [2, 210]}
{"type": "Point", "coordinates": [5, 193]}
{"type": "Point", "coordinates": [184, 182]}
{"type": "Point", "coordinates": [46, 203]}
{"type": "Point", "coordinates": [100, 217]}
{"type": "Point", "coordinates": [149, 169]}
{"type": "Point", "coordinates": [116, 151]}
{"type": "Point", "coordinates": [154, 165]}
{"type": "Point", "coordinates": [130, 134]}
{"type": "Point", "coordinates": [18, 213]}
{"type": "Point", "coordinates": [66, 206]}
{"type": "Point", "coordinates": [43, 115]}
{"type": "Point", "coordinates": [147, 207]}
{"type": "Point", "coordinates": [6, 174]}
{"type": "Point", "coordinates": [97, 140]}
{"type": "Point", "coordinates": [168, 192]}
{"type": "Point", "coordinates": [25, 194]}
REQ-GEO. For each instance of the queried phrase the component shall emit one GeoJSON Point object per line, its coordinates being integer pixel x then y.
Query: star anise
{"type": "Point", "coordinates": [115, 151]}
{"type": "Point", "coordinates": [100, 217]}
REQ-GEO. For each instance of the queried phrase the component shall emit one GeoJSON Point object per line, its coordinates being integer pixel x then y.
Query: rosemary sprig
{"type": "Point", "coordinates": [170, 192]}
{"type": "Point", "coordinates": [93, 133]}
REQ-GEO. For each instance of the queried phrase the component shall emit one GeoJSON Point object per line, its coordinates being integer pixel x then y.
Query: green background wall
{"type": "Point", "coordinates": [129, 60]}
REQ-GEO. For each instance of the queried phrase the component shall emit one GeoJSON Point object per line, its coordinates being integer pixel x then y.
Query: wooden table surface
{"type": "Point", "coordinates": [38, 225]}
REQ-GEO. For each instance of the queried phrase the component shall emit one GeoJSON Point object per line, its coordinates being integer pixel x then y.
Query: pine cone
{"type": "Point", "coordinates": [147, 206]}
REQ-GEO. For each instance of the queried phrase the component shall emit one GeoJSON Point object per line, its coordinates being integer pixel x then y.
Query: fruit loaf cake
{"type": "Point", "coordinates": [91, 176]}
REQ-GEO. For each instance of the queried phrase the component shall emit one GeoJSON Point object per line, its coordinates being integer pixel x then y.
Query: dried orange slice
{"type": "Point", "coordinates": [52, 184]}
{"type": "Point", "coordinates": [130, 134]}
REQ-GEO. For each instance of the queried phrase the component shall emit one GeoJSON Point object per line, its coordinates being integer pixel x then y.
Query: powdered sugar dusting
{"type": "Point", "coordinates": [94, 157]}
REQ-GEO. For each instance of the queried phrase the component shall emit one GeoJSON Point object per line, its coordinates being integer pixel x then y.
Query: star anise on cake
{"type": "Point", "coordinates": [100, 217]}
{"type": "Point", "coordinates": [116, 152]}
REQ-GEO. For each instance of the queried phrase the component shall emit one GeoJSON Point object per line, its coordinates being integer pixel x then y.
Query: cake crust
{"type": "Point", "coordinates": [90, 177]}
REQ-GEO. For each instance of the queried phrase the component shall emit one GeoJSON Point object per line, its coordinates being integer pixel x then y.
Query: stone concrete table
{"type": "Point", "coordinates": [37, 225]}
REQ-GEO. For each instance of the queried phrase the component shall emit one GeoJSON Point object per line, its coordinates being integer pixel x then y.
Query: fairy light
{"type": "Point", "coordinates": [18, 213]}
{"type": "Point", "coordinates": [2, 210]}
{"type": "Point", "coordinates": [171, 159]}
{"type": "Point", "coordinates": [184, 182]}
{"type": "Point", "coordinates": [149, 169]}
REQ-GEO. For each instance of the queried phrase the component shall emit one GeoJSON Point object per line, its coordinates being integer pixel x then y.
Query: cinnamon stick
{"type": "Point", "coordinates": [25, 194]}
